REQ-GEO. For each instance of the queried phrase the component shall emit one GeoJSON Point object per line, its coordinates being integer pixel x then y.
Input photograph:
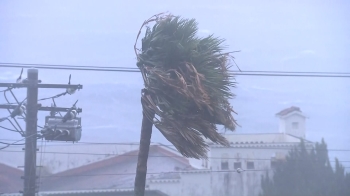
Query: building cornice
{"type": "Point", "coordinates": [256, 145]}
{"type": "Point", "coordinates": [164, 180]}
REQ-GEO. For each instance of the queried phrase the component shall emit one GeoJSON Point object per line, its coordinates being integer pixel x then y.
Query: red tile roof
{"type": "Point", "coordinates": [121, 158]}
{"type": "Point", "coordinates": [10, 179]}
{"type": "Point", "coordinates": [78, 177]}
{"type": "Point", "coordinates": [288, 110]}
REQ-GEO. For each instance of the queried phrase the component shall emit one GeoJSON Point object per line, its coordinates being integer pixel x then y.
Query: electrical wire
{"type": "Point", "coordinates": [134, 68]}
{"type": "Point", "coordinates": [62, 143]}
{"type": "Point", "coordinates": [21, 130]}
{"type": "Point", "coordinates": [53, 100]}
{"type": "Point", "coordinates": [159, 156]}
{"type": "Point", "coordinates": [126, 69]}
{"type": "Point", "coordinates": [73, 68]}
{"type": "Point", "coordinates": [13, 95]}
{"type": "Point", "coordinates": [159, 173]}
{"type": "Point", "coordinates": [13, 130]}
{"type": "Point", "coordinates": [9, 129]}
{"type": "Point", "coordinates": [68, 66]}
{"type": "Point", "coordinates": [40, 164]}
{"type": "Point", "coordinates": [123, 69]}
{"type": "Point", "coordinates": [15, 143]}
{"type": "Point", "coordinates": [43, 99]}
{"type": "Point", "coordinates": [151, 173]}
{"type": "Point", "coordinates": [53, 97]}
{"type": "Point", "coordinates": [7, 89]}
{"type": "Point", "coordinates": [5, 118]}
{"type": "Point", "coordinates": [10, 143]}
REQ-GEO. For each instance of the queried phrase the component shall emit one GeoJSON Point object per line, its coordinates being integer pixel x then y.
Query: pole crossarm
{"type": "Point", "coordinates": [42, 108]}
{"type": "Point", "coordinates": [25, 85]}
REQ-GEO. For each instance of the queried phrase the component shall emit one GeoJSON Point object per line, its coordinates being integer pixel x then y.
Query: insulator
{"type": "Point", "coordinates": [65, 132]}
{"type": "Point", "coordinates": [22, 109]}
{"type": "Point", "coordinates": [58, 132]}
{"type": "Point", "coordinates": [71, 90]}
{"type": "Point", "coordinates": [73, 114]}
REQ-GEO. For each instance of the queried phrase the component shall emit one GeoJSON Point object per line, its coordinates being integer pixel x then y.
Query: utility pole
{"type": "Point", "coordinates": [29, 188]}
{"type": "Point", "coordinates": [32, 107]}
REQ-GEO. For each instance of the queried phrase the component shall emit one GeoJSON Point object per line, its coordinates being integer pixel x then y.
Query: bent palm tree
{"type": "Point", "coordinates": [187, 87]}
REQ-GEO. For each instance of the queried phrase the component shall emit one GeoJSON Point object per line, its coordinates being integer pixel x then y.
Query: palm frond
{"type": "Point", "coordinates": [187, 84]}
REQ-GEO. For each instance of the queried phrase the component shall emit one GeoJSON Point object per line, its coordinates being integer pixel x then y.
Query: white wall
{"type": "Point", "coordinates": [56, 158]}
{"type": "Point", "coordinates": [170, 188]}
{"type": "Point", "coordinates": [196, 184]}
{"type": "Point", "coordinates": [247, 183]}
{"type": "Point", "coordinates": [190, 184]}
{"type": "Point", "coordinates": [218, 182]}
{"type": "Point", "coordinates": [286, 125]}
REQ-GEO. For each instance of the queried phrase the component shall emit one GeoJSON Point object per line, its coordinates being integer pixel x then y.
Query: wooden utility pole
{"type": "Point", "coordinates": [29, 188]}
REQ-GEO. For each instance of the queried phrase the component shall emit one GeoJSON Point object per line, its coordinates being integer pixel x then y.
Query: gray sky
{"type": "Point", "coordinates": [272, 36]}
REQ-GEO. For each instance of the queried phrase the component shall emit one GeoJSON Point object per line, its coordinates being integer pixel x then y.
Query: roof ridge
{"type": "Point", "coordinates": [288, 110]}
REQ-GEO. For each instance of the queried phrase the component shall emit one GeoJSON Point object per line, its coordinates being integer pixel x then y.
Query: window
{"type": "Point", "coordinates": [250, 165]}
{"type": "Point", "coordinates": [273, 164]}
{"type": "Point", "coordinates": [295, 125]}
{"type": "Point", "coordinates": [224, 162]}
{"type": "Point", "coordinates": [224, 165]}
{"type": "Point", "coordinates": [237, 165]}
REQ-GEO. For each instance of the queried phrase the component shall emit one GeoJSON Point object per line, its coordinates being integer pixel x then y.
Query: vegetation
{"type": "Point", "coordinates": [307, 173]}
{"type": "Point", "coordinates": [187, 88]}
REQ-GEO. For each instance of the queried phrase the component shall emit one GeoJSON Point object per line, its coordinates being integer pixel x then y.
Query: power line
{"type": "Point", "coordinates": [42, 99]}
{"type": "Point", "coordinates": [134, 68]}
{"type": "Point", "coordinates": [159, 173]}
{"type": "Point", "coordinates": [69, 66]}
{"type": "Point", "coordinates": [152, 173]}
{"type": "Point", "coordinates": [15, 143]}
{"type": "Point", "coordinates": [159, 156]}
{"type": "Point", "coordinates": [13, 130]}
{"type": "Point", "coordinates": [297, 72]}
{"type": "Point", "coordinates": [10, 143]}
{"type": "Point", "coordinates": [20, 128]}
{"type": "Point", "coordinates": [293, 75]}
{"type": "Point", "coordinates": [54, 97]}
{"type": "Point", "coordinates": [9, 129]}
{"type": "Point", "coordinates": [74, 68]}
{"type": "Point", "coordinates": [5, 90]}
{"type": "Point", "coordinates": [291, 146]}
{"type": "Point", "coordinates": [126, 69]}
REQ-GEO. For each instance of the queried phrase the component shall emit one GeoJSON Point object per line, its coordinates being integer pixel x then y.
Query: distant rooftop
{"type": "Point", "coordinates": [10, 179]}
{"type": "Point", "coordinates": [121, 167]}
{"type": "Point", "coordinates": [288, 111]}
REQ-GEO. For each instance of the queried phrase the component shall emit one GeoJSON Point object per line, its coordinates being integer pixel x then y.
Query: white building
{"type": "Point", "coordinates": [113, 174]}
{"type": "Point", "coordinates": [234, 170]}
{"type": "Point", "coordinates": [252, 154]}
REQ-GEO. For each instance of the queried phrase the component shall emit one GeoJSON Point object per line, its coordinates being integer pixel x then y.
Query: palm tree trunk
{"type": "Point", "coordinates": [145, 140]}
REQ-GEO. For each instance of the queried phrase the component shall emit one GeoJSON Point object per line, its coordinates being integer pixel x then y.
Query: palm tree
{"type": "Point", "coordinates": [187, 88]}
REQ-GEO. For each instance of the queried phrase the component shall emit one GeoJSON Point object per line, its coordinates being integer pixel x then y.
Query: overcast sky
{"type": "Point", "coordinates": [272, 36]}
